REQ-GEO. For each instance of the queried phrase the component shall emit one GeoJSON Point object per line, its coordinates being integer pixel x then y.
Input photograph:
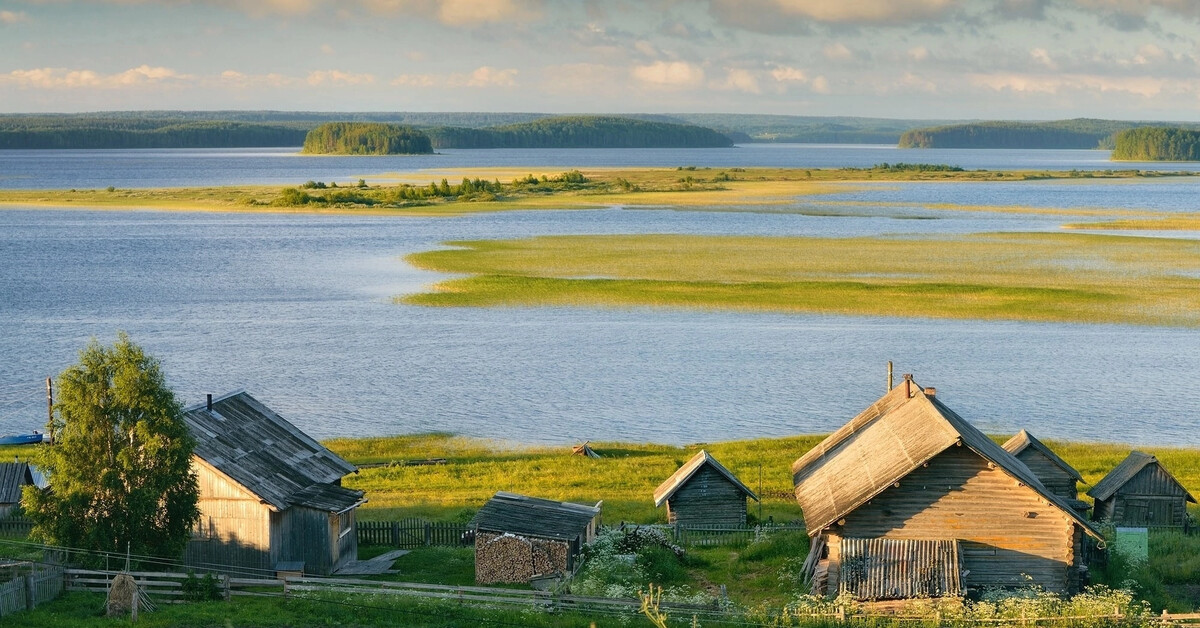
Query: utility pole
{"type": "Point", "coordinates": [50, 408]}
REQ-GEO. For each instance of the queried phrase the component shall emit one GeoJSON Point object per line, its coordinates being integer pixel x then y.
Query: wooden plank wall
{"type": "Point", "coordinates": [1005, 530]}
{"type": "Point", "coordinates": [234, 527]}
{"type": "Point", "coordinates": [308, 535]}
{"type": "Point", "coordinates": [1151, 499]}
{"type": "Point", "coordinates": [1052, 476]}
{"type": "Point", "coordinates": [707, 498]}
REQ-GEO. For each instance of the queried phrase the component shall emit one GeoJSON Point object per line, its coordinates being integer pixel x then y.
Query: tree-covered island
{"type": "Point", "coordinates": [1157, 144]}
{"type": "Point", "coordinates": [366, 138]}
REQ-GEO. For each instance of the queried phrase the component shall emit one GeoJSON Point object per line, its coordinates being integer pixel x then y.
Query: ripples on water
{"type": "Point", "coordinates": [298, 310]}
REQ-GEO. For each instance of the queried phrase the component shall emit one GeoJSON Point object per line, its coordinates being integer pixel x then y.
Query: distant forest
{"type": "Point", "coordinates": [366, 138]}
{"type": "Point", "coordinates": [581, 132]}
{"type": "Point", "coordinates": [84, 132]}
{"type": "Point", "coordinates": [1157, 144]}
{"type": "Point", "coordinates": [1079, 133]}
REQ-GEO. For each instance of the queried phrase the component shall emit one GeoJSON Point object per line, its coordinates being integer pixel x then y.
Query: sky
{"type": "Point", "coordinates": [917, 59]}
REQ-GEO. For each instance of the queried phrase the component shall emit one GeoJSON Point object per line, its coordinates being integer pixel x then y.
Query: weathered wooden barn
{"type": "Point", "coordinates": [13, 476]}
{"type": "Point", "coordinates": [1053, 471]}
{"type": "Point", "coordinates": [519, 538]}
{"type": "Point", "coordinates": [1141, 493]}
{"type": "Point", "coordinates": [704, 492]}
{"type": "Point", "coordinates": [270, 496]}
{"type": "Point", "coordinates": [910, 500]}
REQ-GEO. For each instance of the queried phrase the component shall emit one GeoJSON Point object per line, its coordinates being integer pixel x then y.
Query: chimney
{"type": "Point", "coordinates": [908, 384]}
{"type": "Point", "coordinates": [209, 403]}
{"type": "Point", "coordinates": [930, 391]}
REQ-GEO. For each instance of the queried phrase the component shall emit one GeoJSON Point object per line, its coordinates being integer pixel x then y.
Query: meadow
{"type": "Point", "coordinates": [1068, 277]}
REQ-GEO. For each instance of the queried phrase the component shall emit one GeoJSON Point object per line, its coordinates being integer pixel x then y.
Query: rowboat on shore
{"type": "Point", "coordinates": [22, 439]}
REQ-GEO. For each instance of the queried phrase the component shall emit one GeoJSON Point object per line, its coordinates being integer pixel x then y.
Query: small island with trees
{"type": "Point", "coordinates": [1157, 144]}
{"type": "Point", "coordinates": [366, 138]}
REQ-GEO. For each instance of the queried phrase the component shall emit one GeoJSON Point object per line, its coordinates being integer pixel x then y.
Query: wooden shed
{"type": "Point", "coordinates": [270, 496]}
{"type": "Point", "coordinates": [13, 476]}
{"type": "Point", "coordinates": [1053, 471]}
{"type": "Point", "coordinates": [1141, 493]}
{"type": "Point", "coordinates": [519, 538]}
{"type": "Point", "coordinates": [910, 500]}
{"type": "Point", "coordinates": [704, 492]}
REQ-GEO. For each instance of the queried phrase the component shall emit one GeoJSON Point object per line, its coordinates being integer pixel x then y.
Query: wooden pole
{"type": "Point", "coordinates": [50, 408]}
{"type": "Point", "coordinates": [889, 388]}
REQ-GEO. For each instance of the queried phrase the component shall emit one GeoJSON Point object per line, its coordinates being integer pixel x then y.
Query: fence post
{"type": "Point", "coordinates": [395, 534]}
{"type": "Point", "coordinates": [841, 614]}
{"type": "Point", "coordinates": [428, 534]}
{"type": "Point", "coordinates": [228, 587]}
{"type": "Point", "coordinates": [30, 602]}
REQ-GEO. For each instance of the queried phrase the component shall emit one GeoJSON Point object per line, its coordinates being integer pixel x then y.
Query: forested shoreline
{"type": "Point", "coordinates": [1157, 144]}
{"type": "Point", "coordinates": [365, 138]}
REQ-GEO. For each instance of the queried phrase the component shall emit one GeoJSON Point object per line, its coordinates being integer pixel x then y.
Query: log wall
{"type": "Point", "coordinates": [1052, 476]}
{"type": "Point", "coordinates": [1151, 499]}
{"type": "Point", "coordinates": [1006, 530]}
{"type": "Point", "coordinates": [707, 498]}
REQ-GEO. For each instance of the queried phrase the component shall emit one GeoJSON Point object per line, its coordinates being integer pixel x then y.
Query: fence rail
{"type": "Point", "coordinates": [410, 533]}
{"type": "Point", "coordinates": [722, 534]}
{"type": "Point", "coordinates": [30, 587]}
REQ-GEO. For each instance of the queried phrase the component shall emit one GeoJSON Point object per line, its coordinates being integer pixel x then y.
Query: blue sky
{"type": "Point", "coordinates": [1019, 59]}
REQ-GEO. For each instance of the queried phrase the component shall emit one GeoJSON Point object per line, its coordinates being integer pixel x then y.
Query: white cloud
{"type": "Point", "coordinates": [484, 76]}
{"type": "Point", "coordinates": [1144, 86]}
{"type": "Point", "coordinates": [837, 52]}
{"type": "Point", "coordinates": [918, 53]}
{"type": "Point", "coordinates": [233, 78]}
{"type": "Point", "coordinates": [820, 85]}
{"type": "Point", "coordinates": [738, 80]}
{"type": "Point", "coordinates": [12, 17]}
{"type": "Point", "coordinates": [784, 15]}
{"type": "Point", "coordinates": [785, 74]}
{"type": "Point", "coordinates": [673, 74]}
{"type": "Point", "coordinates": [469, 13]}
{"type": "Point", "coordinates": [414, 80]}
{"type": "Point", "coordinates": [337, 77]}
{"type": "Point", "coordinates": [1042, 57]}
{"type": "Point", "coordinates": [63, 78]}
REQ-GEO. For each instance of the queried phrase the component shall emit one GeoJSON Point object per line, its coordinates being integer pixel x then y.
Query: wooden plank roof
{"type": "Point", "coordinates": [887, 441]}
{"type": "Point", "coordinates": [13, 475]}
{"type": "Point", "coordinates": [1124, 472]}
{"type": "Point", "coordinates": [689, 468]}
{"type": "Point", "coordinates": [269, 456]}
{"type": "Point", "coordinates": [1024, 440]}
{"type": "Point", "coordinates": [531, 516]}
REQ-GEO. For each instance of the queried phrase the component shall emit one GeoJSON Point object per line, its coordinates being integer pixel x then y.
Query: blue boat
{"type": "Point", "coordinates": [22, 439]}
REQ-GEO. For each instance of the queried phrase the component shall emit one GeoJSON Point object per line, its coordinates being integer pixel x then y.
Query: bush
{"type": "Point", "coordinates": [201, 589]}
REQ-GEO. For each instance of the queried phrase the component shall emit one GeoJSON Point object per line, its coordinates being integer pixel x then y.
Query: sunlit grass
{"type": "Point", "coordinates": [1034, 277]}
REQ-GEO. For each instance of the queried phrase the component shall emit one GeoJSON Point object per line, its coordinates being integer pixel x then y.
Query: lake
{"type": "Point", "coordinates": [298, 309]}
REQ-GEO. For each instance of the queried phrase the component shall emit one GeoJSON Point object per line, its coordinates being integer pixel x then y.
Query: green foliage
{"type": "Point", "coordinates": [362, 138]}
{"type": "Point", "coordinates": [1080, 133]}
{"type": "Point", "coordinates": [619, 563]}
{"type": "Point", "coordinates": [1157, 144]}
{"type": "Point", "coordinates": [582, 132]}
{"type": "Point", "coordinates": [121, 460]}
{"type": "Point", "coordinates": [903, 167]}
{"type": "Point", "coordinates": [204, 589]}
{"type": "Point", "coordinates": [150, 131]}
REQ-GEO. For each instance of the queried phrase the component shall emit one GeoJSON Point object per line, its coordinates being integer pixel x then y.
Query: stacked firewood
{"type": "Point", "coordinates": [502, 558]}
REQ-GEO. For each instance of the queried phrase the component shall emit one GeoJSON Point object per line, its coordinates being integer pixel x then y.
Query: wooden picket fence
{"type": "Point", "coordinates": [708, 535]}
{"type": "Point", "coordinates": [15, 527]}
{"type": "Point", "coordinates": [29, 586]}
{"type": "Point", "coordinates": [412, 533]}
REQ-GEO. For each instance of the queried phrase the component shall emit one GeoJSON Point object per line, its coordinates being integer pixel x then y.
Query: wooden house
{"type": "Point", "coordinates": [13, 476]}
{"type": "Point", "coordinates": [520, 539]}
{"type": "Point", "coordinates": [1141, 493]}
{"type": "Point", "coordinates": [1053, 471]}
{"type": "Point", "coordinates": [910, 500]}
{"type": "Point", "coordinates": [704, 492]}
{"type": "Point", "coordinates": [270, 496]}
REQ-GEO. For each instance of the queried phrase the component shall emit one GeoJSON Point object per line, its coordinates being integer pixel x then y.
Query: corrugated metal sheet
{"type": "Point", "coordinates": [265, 453]}
{"type": "Point", "coordinates": [885, 443]}
{"type": "Point", "coordinates": [1129, 469]}
{"type": "Point", "coordinates": [1024, 440]}
{"type": "Point", "coordinates": [530, 516]}
{"type": "Point", "coordinates": [689, 468]}
{"type": "Point", "coordinates": [13, 475]}
{"type": "Point", "coordinates": [892, 569]}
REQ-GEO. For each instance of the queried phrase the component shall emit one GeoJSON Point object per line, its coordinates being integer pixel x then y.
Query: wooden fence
{"type": "Point", "coordinates": [704, 535]}
{"type": "Point", "coordinates": [410, 533]}
{"type": "Point", "coordinates": [29, 587]}
{"type": "Point", "coordinates": [15, 527]}
{"type": "Point", "coordinates": [164, 586]}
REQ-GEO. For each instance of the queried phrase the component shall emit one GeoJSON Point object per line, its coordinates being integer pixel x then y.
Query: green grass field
{"type": "Point", "coordinates": [1067, 277]}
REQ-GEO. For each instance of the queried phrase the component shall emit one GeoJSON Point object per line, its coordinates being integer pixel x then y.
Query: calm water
{"type": "Point", "coordinates": [93, 169]}
{"type": "Point", "coordinates": [299, 310]}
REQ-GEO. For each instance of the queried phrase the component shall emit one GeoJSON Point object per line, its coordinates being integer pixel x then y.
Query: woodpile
{"type": "Point", "coordinates": [514, 558]}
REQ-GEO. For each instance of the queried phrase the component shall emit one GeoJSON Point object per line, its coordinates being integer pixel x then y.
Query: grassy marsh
{"type": "Point", "coordinates": [1067, 277]}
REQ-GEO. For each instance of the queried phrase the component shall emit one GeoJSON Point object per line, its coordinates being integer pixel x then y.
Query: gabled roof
{"type": "Point", "coordinates": [13, 475]}
{"type": "Point", "coordinates": [886, 442]}
{"type": "Point", "coordinates": [530, 516]}
{"type": "Point", "coordinates": [269, 456]}
{"type": "Point", "coordinates": [1024, 440]}
{"type": "Point", "coordinates": [1124, 472]}
{"type": "Point", "coordinates": [689, 468]}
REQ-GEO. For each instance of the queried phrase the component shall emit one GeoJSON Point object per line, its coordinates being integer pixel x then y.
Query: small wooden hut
{"type": "Point", "coordinates": [270, 496]}
{"type": "Point", "coordinates": [1053, 471]}
{"type": "Point", "coordinates": [519, 538]}
{"type": "Point", "coordinates": [704, 492]}
{"type": "Point", "coordinates": [910, 500]}
{"type": "Point", "coordinates": [1141, 493]}
{"type": "Point", "coordinates": [13, 476]}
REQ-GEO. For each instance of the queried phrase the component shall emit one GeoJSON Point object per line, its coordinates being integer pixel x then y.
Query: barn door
{"type": "Point", "coordinates": [1137, 513]}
